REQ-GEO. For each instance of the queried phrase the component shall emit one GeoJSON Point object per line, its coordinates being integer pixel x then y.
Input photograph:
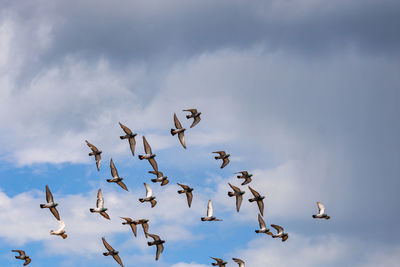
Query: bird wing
{"type": "Point", "coordinates": [226, 161]}
{"type": "Point", "coordinates": [260, 204]}
{"type": "Point", "coordinates": [27, 261]}
{"type": "Point", "coordinates": [221, 153]}
{"type": "Point", "coordinates": [178, 124]}
{"type": "Point", "coordinates": [210, 210]}
{"type": "Point", "coordinates": [285, 238]}
{"type": "Point", "coordinates": [107, 246]}
{"type": "Point", "coordinates": [126, 129]}
{"type": "Point", "coordinates": [117, 259]}
{"type": "Point", "coordinates": [49, 196]}
{"type": "Point", "coordinates": [189, 197]}
{"type": "Point", "coordinates": [239, 199]}
{"type": "Point", "coordinates": [239, 261]}
{"type": "Point", "coordinates": [21, 252]}
{"type": "Point", "coordinates": [149, 191]}
{"type": "Point", "coordinates": [277, 228]}
{"type": "Point", "coordinates": [55, 213]}
{"type": "Point", "coordinates": [100, 199]}
{"type": "Point", "coordinates": [234, 188]}
{"type": "Point", "coordinates": [121, 184]}
{"type": "Point", "coordinates": [127, 219]}
{"type": "Point", "coordinates": [195, 122]}
{"type": "Point", "coordinates": [145, 229]}
{"type": "Point", "coordinates": [61, 227]}
{"type": "Point", "coordinates": [261, 222]}
{"type": "Point", "coordinates": [254, 192]}
{"type": "Point", "coordinates": [217, 260]}
{"type": "Point", "coordinates": [155, 237]}
{"type": "Point", "coordinates": [114, 172]}
{"type": "Point", "coordinates": [321, 208]}
{"type": "Point", "coordinates": [192, 110]}
{"type": "Point", "coordinates": [159, 174]}
{"type": "Point", "coordinates": [132, 144]}
{"type": "Point", "coordinates": [147, 147]}
{"type": "Point", "coordinates": [153, 164]}
{"type": "Point", "coordinates": [134, 228]}
{"type": "Point", "coordinates": [92, 147]}
{"type": "Point", "coordinates": [181, 137]}
{"type": "Point", "coordinates": [98, 161]}
{"type": "Point", "coordinates": [160, 249]}
{"type": "Point", "coordinates": [105, 215]}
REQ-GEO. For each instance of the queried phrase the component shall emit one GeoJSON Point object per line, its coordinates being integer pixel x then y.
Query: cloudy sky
{"type": "Point", "coordinates": [303, 94]}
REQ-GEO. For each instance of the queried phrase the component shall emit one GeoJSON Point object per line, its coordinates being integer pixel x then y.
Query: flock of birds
{"type": "Point", "coordinates": [163, 180]}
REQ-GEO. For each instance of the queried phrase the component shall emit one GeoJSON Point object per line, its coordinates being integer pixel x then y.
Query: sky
{"type": "Point", "coordinates": [302, 94]}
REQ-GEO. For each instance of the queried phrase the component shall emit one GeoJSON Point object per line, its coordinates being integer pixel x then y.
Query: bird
{"type": "Point", "coordinates": [263, 229]}
{"type": "Point", "coordinates": [133, 223]}
{"type": "Point", "coordinates": [281, 233]}
{"type": "Point", "coordinates": [130, 136]}
{"type": "Point", "coordinates": [259, 199]}
{"type": "Point", "coordinates": [160, 178]}
{"type": "Point", "coordinates": [195, 115]}
{"type": "Point", "coordinates": [179, 130]}
{"type": "Point", "coordinates": [159, 243]}
{"type": "Point", "coordinates": [116, 179]}
{"type": "Point", "coordinates": [96, 153]}
{"type": "Point", "coordinates": [210, 212]}
{"type": "Point", "coordinates": [246, 176]}
{"type": "Point", "coordinates": [50, 204]}
{"type": "Point", "coordinates": [219, 262]}
{"type": "Point", "coordinates": [224, 157]}
{"type": "Point", "coordinates": [239, 261]}
{"type": "Point", "coordinates": [100, 205]}
{"type": "Point", "coordinates": [112, 252]}
{"type": "Point", "coordinates": [321, 212]}
{"type": "Point", "coordinates": [188, 191]}
{"type": "Point", "coordinates": [22, 256]}
{"type": "Point", "coordinates": [149, 196]}
{"type": "Point", "coordinates": [149, 155]}
{"type": "Point", "coordinates": [60, 231]}
{"type": "Point", "coordinates": [239, 195]}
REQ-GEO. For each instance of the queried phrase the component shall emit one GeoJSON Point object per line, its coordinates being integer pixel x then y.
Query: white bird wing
{"type": "Point", "coordinates": [149, 191]}
{"type": "Point", "coordinates": [321, 208]}
{"type": "Point", "coordinates": [100, 200]}
{"type": "Point", "coordinates": [210, 210]}
{"type": "Point", "coordinates": [61, 227]}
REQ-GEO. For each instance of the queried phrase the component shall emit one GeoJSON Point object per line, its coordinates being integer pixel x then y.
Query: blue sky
{"type": "Point", "coordinates": [303, 94]}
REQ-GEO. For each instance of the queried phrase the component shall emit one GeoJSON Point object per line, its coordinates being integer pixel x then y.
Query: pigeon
{"type": "Point", "coordinates": [179, 130]}
{"type": "Point", "coordinates": [50, 204]}
{"type": "Point", "coordinates": [96, 153]}
{"type": "Point", "coordinates": [60, 231]}
{"type": "Point", "coordinates": [219, 262]}
{"type": "Point", "coordinates": [133, 223]}
{"type": "Point", "coordinates": [160, 178]}
{"type": "Point", "coordinates": [246, 176]}
{"type": "Point", "coordinates": [263, 228]}
{"type": "Point", "coordinates": [210, 212]}
{"type": "Point", "coordinates": [116, 179]}
{"type": "Point", "coordinates": [149, 196]}
{"type": "Point", "coordinates": [188, 191]}
{"type": "Point", "coordinates": [149, 155]}
{"type": "Point", "coordinates": [112, 252]}
{"type": "Point", "coordinates": [100, 206]}
{"type": "Point", "coordinates": [195, 115]}
{"type": "Point", "coordinates": [159, 243]}
{"type": "Point", "coordinates": [259, 199]}
{"type": "Point", "coordinates": [321, 212]}
{"type": "Point", "coordinates": [131, 137]}
{"type": "Point", "coordinates": [22, 256]}
{"type": "Point", "coordinates": [239, 195]}
{"type": "Point", "coordinates": [224, 157]}
{"type": "Point", "coordinates": [239, 261]}
{"type": "Point", "coordinates": [281, 233]}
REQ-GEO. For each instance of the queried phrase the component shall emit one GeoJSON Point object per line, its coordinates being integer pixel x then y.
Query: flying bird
{"type": "Point", "coordinates": [60, 231]}
{"type": "Point", "coordinates": [22, 256]}
{"type": "Point", "coordinates": [96, 153]}
{"type": "Point", "coordinates": [238, 194]}
{"type": "Point", "coordinates": [210, 212]}
{"type": "Point", "coordinates": [159, 243]}
{"type": "Point", "coordinates": [224, 157]}
{"type": "Point", "coordinates": [188, 191]}
{"type": "Point", "coordinates": [116, 179]}
{"type": "Point", "coordinates": [100, 206]}
{"type": "Point", "coordinates": [149, 155]}
{"type": "Point", "coordinates": [179, 130]}
{"type": "Point", "coordinates": [321, 212]}
{"type": "Point", "coordinates": [246, 176]}
{"type": "Point", "coordinates": [239, 261]}
{"type": "Point", "coordinates": [50, 204]}
{"type": "Point", "coordinates": [263, 228]}
{"type": "Point", "coordinates": [259, 199]}
{"type": "Point", "coordinates": [130, 136]}
{"type": "Point", "coordinates": [195, 115]}
{"type": "Point", "coordinates": [149, 196]}
{"type": "Point", "coordinates": [133, 223]}
{"type": "Point", "coordinates": [160, 178]}
{"type": "Point", "coordinates": [219, 262]}
{"type": "Point", "coordinates": [112, 252]}
{"type": "Point", "coordinates": [281, 233]}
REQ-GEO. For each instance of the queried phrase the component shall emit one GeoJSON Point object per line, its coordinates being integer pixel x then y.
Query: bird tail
{"type": "Point", "coordinates": [140, 157]}
{"type": "Point", "coordinates": [203, 219]}
{"type": "Point", "coordinates": [91, 210]}
{"type": "Point", "coordinates": [141, 200]}
{"type": "Point", "coordinates": [258, 231]}
{"type": "Point", "coordinates": [91, 154]}
{"type": "Point", "coordinates": [327, 217]}
{"type": "Point", "coordinates": [105, 253]}
{"type": "Point", "coordinates": [172, 132]}
{"type": "Point", "coordinates": [42, 206]}
{"type": "Point", "coordinates": [251, 200]}
{"type": "Point", "coordinates": [154, 180]}
{"type": "Point", "coordinates": [149, 243]}
{"type": "Point", "coordinates": [64, 236]}
{"type": "Point", "coordinates": [314, 216]}
{"type": "Point", "coordinates": [231, 194]}
{"type": "Point", "coordinates": [216, 157]}
{"type": "Point", "coordinates": [123, 137]}
{"type": "Point", "coordinates": [187, 116]}
{"type": "Point", "coordinates": [181, 191]}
